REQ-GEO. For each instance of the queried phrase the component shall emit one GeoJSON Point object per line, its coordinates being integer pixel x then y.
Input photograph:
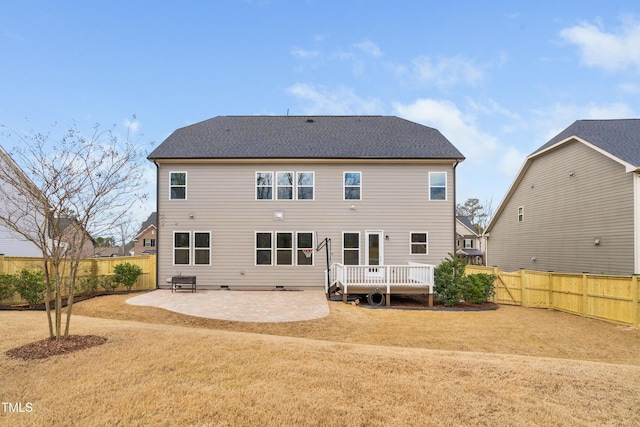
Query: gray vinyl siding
{"type": "Point", "coordinates": [571, 196]}
{"type": "Point", "coordinates": [221, 198]}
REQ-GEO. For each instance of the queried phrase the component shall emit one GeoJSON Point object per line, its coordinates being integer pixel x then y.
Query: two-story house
{"type": "Point", "coordinates": [575, 204]}
{"type": "Point", "coordinates": [242, 200]}
{"type": "Point", "coordinates": [145, 240]}
{"type": "Point", "coordinates": [469, 245]}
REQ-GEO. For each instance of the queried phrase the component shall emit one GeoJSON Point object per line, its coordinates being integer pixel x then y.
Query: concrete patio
{"type": "Point", "coordinates": [241, 306]}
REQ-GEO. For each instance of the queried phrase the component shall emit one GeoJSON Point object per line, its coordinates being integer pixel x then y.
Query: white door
{"type": "Point", "coordinates": [374, 252]}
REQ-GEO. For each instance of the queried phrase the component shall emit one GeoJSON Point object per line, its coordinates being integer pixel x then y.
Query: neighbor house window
{"type": "Point", "coordinates": [264, 185]}
{"type": "Point", "coordinates": [419, 243]}
{"type": "Point", "coordinates": [351, 248]}
{"type": "Point", "coordinates": [149, 243]}
{"type": "Point", "coordinates": [178, 185]}
{"type": "Point", "coordinates": [264, 246]}
{"type": "Point", "coordinates": [284, 185]}
{"type": "Point", "coordinates": [304, 240]}
{"type": "Point", "coordinates": [352, 186]}
{"type": "Point", "coordinates": [202, 248]}
{"type": "Point", "coordinates": [521, 214]}
{"type": "Point", "coordinates": [306, 182]}
{"type": "Point", "coordinates": [181, 248]}
{"type": "Point", "coordinates": [437, 186]}
{"type": "Point", "coordinates": [468, 243]}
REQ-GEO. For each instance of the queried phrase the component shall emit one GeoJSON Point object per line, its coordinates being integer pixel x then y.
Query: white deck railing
{"type": "Point", "coordinates": [383, 276]}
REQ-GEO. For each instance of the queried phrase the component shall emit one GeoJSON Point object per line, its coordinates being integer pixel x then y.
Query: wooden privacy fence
{"type": "Point", "coordinates": [88, 267]}
{"type": "Point", "coordinates": [613, 298]}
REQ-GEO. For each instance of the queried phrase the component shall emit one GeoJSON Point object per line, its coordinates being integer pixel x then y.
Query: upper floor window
{"type": "Point", "coordinates": [178, 185]}
{"type": "Point", "coordinates": [149, 243]}
{"type": "Point", "coordinates": [352, 185]}
{"type": "Point", "coordinates": [284, 184]}
{"type": "Point", "coordinates": [306, 184]}
{"type": "Point", "coordinates": [521, 214]}
{"type": "Point", "coordinates": [419, 243]}
{"type": "Point", "coordinates": [264, 185]}
{"type": "Point", "coordinates": [468, 243]}
{"type": "Point", "coordinates": [437, 186]}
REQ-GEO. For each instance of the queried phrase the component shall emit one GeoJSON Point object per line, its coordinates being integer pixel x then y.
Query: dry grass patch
{"type": "Point", "coordinates": [509, 330]}
{"type": "Point", "coordinates": [357, 367]}
{"type": "Point", "coordinates": [151, 374]}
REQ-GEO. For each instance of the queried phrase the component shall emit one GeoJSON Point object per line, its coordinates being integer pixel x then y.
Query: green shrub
{"type": "Point", "coordinates": [127, 274]}
{"type": "Point", "coordinates": [6, 286]}
{"type": "Point", "coordinates": [86, 285]}
{"type": "Point", "coordinates": [107, 283]}
{"type": "Point", "coordinates": [478, 288]}
{"type": "Point", "coordinates": [30, 285]}
{"type": "Point", "coordinates": [448, 280]}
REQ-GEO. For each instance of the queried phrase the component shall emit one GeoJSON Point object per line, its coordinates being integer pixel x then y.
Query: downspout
{"type": "Point", "coordinates": [454, 207]}
{"type": "Point", "coordinates": [158, 225]}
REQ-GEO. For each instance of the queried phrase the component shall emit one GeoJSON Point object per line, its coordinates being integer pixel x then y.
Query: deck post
{"type": "Point", "coordinates": [430, 299]}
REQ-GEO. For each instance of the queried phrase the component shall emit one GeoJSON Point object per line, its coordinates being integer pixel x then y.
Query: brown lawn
{"type": "Point", "coordinates": [357, 367]}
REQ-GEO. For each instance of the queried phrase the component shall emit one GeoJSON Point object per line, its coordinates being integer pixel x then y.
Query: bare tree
{"type": "Point", "coordinates": [478, 213]}
{"type": "Point", "coordinates": [63, 190]}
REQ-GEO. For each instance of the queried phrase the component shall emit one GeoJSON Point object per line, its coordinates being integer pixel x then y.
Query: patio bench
{"type": "Point", "coordinates": [183, 282]}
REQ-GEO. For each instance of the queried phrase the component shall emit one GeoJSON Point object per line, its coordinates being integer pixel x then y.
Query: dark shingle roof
{"type": "Point", "coordinates": [298, 137]}
{"type": "Point", "coordinates": [620, 138]}
{"type": "Point", "coordinates": [152, 220]}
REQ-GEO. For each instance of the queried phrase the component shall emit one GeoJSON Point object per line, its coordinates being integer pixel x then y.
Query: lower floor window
{"type": "Point", "coordinates": [419, 243]}
{"type": "Point", "coordinates": [283, 248]}
{"type": "Point", "coordinates": [351, 248]}
{"type": "Point", "coordinates": [264, 247]}
{"type": "Point", "coordinates": [184, 245]}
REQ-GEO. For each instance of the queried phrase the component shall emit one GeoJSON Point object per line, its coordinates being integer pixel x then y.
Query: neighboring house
{"type": "Point", "coordinates": [575, 204]}
{"type": "Point", "coordinates": [241, 199]}
{"type": "Point", "coordinates": [468, 242]}
{"type": "Point", "coordinates": [11, 242]}
{"type": "Point", "coordinates": [145, 240]}
{"type": "Point", "coordinates": [72, 233]}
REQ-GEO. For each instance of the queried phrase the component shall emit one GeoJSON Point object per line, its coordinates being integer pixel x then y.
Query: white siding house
{"type": "Point", "coordinates": [241, 199]}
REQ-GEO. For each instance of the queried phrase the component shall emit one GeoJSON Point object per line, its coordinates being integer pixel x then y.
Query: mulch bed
{"type": "Point", "coordinates": [51, 347]}
{"type": "Point", "coordinates": [421, 302]}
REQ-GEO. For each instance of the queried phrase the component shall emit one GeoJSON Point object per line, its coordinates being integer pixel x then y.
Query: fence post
{"type": "Point", "coordinates": [495, 294]}
{"type": "Point", "coordinates": [634, 296]}
{"type": "Point", "coordinates": [585, 294]}
{"type": "Point", "coordinates": [1, 263]}
{"type": "Point", "coordinates": [523, 276]}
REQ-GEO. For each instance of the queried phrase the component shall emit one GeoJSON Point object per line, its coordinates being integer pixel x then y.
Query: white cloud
{"type": "Point", "coordinates": [510, 161]}
{"type": "Point", "coordinates": [340, 101]}
{"type": "Point", "coordinates": [476, 145]}
{"type": "Point", "coordinates": [303, 53]}
{"type": "Point", "coordinates": [611, 51]}
{"type": "Point", "coordinates": [445, 72]}
{"type": "Point", "coordinates": [368, 47]}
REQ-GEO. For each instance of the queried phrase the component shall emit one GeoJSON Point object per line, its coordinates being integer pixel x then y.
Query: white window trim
{"type": "Point", "coordinates": [344, 185]}
{"type": "Point", "coordinates": [196, 249]}
{"type": "Point", "coordinates": [186, 182]}
{"type": "Point", "coordinates": [411, 243]}
{"type": "Point", "coordinates": [351, 249]}
{"type": "Point", "coordinates": [292, 249]}
{"type": "Point", "coordinates": [464, 243]}
{"type": "Point", "coordinates": [313, 186]}
{"type": "Point", "coordinates": [256, 186]}
{"type": "Point", "coordinates": [446, 190]}
{"type": "Point", "coordinates": [188, 248]}
{"type": "Point", "coordinates": [255, 248]}
{"type": "Point", "coordinates": [313, 246]}
{"type": "Point", "coordinates": [520, 208]}
{"type": "Point", "coordinates": [277, 186]}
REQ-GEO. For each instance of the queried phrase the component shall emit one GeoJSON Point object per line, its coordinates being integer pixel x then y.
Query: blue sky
{"type": "Point", "coordinates": [497, 78]}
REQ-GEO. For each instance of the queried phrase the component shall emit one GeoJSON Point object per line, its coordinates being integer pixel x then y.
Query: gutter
{"type": "Point", "coordinates": [158, 225]}
{"type": "Point", "coordinates": [454, 205]}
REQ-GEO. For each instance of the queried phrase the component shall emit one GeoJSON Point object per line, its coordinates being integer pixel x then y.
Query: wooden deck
{"type": "Point", "coordinates": [412, 278]}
